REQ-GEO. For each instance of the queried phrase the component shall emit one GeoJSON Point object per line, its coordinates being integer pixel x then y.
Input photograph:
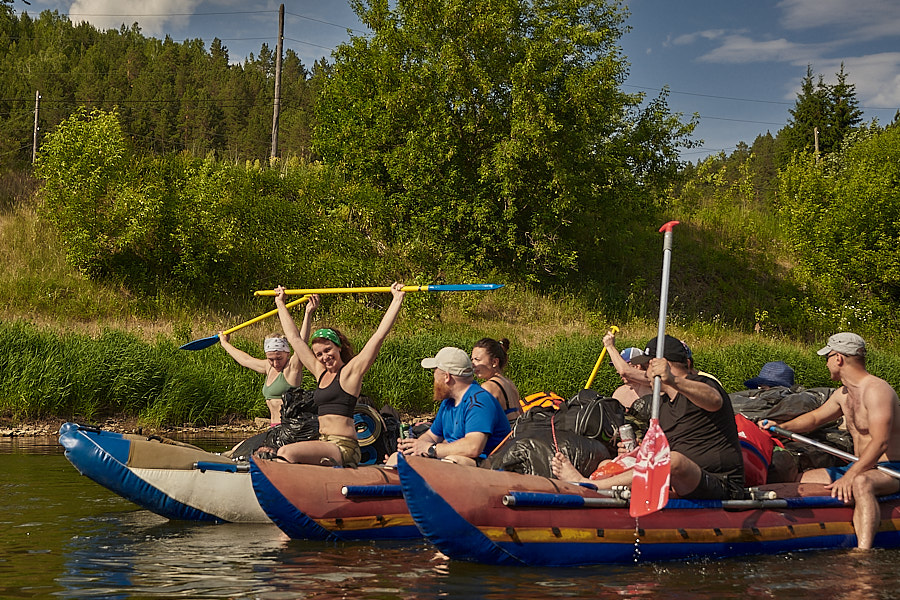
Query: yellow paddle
{"type": "Point", "coordinates": [462, 287]}
{"type": "Point", "coordinates": [209, 341]}
{"type": "Point", "coordinates": [590, 380]}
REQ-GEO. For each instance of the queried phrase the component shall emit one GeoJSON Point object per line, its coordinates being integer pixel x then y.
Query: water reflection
{"type": "Point", "coordinates": [61, 535]}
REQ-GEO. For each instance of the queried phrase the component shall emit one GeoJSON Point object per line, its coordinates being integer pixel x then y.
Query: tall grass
{"type": "Point", "coordinates": [75, 376]}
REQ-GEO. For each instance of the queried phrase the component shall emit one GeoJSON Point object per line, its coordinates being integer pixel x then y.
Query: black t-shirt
{"type": "Point", "coordinates": [710, 439]}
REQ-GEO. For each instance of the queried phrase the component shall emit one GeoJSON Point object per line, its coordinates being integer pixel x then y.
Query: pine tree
{"type": "Point", "coordinates": [846, 114]}
{"type": "Point", "coordinates": [832, 110]}
{"type": "Point", "coordinates": [810, 112]}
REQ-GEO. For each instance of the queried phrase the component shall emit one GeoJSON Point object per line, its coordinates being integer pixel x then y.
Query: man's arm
{"type": "Point", "coordinates": [700, 393]}
{"type": "Point", "coordinates": [419, 446]}
{"type": "Point", "coordinates": [470, 446]}
{"type": "Point", "coordinates": [829, 411]}
{"type": "Point", "coordinates": [625, 370]}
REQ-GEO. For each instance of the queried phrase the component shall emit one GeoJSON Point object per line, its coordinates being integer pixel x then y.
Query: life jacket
{"type": "Point", "coordinates": [541, 400]}
{"type": "Point", "coordinates": [757, 447]}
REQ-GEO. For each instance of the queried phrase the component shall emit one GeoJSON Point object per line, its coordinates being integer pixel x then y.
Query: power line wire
{"type": "Point", "coordinates": [756, 100]}
{"type": "Point", "coordinates": [321, 21]}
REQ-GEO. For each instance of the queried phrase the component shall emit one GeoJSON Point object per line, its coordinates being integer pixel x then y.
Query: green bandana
{"type": "Point", "coordinates": [328, 334]}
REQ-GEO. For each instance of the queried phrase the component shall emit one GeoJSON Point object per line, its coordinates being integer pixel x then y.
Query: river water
{"type": "Point", "coordinates": [64, 536]}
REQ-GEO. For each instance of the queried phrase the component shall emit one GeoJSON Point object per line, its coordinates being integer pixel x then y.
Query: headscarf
{"type": "Point", "coordinates": [276, 344]}
{"type": "Point", "coordinates": [328, 334]}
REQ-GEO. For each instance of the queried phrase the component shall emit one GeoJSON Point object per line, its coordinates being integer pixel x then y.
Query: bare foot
{"type": "Point", "coordinates": [563, 469]}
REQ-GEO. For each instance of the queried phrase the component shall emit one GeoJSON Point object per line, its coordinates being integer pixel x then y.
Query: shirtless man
{"type": "Point", "coordinates": [871, 410]}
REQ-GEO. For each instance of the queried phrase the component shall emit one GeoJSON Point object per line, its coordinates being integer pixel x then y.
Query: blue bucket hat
{"type": "Point", "coordinates": [772, 374]}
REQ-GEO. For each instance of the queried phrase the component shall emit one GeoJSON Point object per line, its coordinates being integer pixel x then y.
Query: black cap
{"type": "Point", "coordinates": [674, 350]}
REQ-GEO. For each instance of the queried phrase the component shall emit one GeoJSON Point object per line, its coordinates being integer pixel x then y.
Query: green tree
{"type": "Point", "coordinates": [496, 128]}
{"type": "Point", "coordinates": [844, 217]}
{"type": "Point", "coordinates": [80, 163]}
{"type": "Point", "coordinates": [845, 112]}
{"type": "Point", "coordinates": [810, 112]}
{"type": "Point", "coordinates": [831, 112]}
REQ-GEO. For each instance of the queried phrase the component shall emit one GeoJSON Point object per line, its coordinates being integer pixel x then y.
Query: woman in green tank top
{"type": "Point", "coordinates": [283, 370]}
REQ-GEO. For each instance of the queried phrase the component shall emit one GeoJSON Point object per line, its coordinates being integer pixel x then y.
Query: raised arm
{"type": "Point", "coordinates": [623, 368]}
{"type": "Point", "coordinates": [360, 364]}
{"type": "Point", "coordinates": [297, 340]}
{"type": "Point", "coordinates": [306, 326]}
{"type": "Point", "coordinates": [242, 358]}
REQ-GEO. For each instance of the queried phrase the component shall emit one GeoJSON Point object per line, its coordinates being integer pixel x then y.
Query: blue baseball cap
{"type": "Point", "coordinates": [629, 354]}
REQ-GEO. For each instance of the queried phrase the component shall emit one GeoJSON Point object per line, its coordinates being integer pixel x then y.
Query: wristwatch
{"type": "Point", "coordinates": [432, 451]}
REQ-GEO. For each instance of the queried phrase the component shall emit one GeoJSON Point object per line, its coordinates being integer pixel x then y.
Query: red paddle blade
{"type": "Point", "coordinates": [650, 484]}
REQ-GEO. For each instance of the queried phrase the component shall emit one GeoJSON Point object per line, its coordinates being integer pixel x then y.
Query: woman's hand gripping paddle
{"type": "Point", "coordinates": [650, 483]}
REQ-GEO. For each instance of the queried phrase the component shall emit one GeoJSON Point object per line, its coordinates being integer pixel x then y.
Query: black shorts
{"type": "Point", "coordinates": [714, 486]}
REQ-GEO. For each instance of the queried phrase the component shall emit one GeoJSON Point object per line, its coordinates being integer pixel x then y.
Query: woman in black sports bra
{"type": "Point", "coordinates": [489, 358]}
{"type": "Point", "coordinates": [339, 375]}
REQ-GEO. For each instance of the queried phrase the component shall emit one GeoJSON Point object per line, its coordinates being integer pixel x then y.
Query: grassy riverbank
{"type": "Point", "coordinates": [72, 348]}
{"type": "Point", "coordinates": [76, 376]}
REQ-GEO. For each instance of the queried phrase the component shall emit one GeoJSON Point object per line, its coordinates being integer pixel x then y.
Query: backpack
{"type": "Point", "coordinates": [536, 436]}
{"type": "Point", "coordinates": [757, 447]}
{"type": "Point", "coordinates": [590, 415]}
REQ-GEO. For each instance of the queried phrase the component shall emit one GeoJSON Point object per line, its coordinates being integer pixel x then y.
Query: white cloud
{"type": "Point", "coordinates": [742, 49]}
{"type": "Point", "coordinates": [876, 77]}
{"type": "Point", "coordinates": [112, 14]}
{"type": "Point", "coordinates": [706, 34]}
{"type": "Point", "coordinates": [855, 18]}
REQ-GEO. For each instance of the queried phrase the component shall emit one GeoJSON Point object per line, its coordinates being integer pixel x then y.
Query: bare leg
{"type": "Point", "coordinates": [867, 514]}
{"type": "Point", "coordinates": [815, 476]}
{"type": "Point", "coordinates": [685, 474]}
{"type": "Point", "coordinates": [311, 453]}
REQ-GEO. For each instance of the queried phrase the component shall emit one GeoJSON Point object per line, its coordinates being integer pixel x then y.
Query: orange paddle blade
{"type": "Point", "coordinates": [650, 484]}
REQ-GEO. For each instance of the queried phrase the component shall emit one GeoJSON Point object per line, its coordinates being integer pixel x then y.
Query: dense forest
{"type": "Point", "coordinates": [171, 97]}
{"type": "Point", "coordinates": [503, 147]}
{"type": "Point", "coordinates": [457, 141]}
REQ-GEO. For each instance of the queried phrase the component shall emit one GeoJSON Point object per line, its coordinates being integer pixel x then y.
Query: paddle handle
{"type": "Point", "coordinates": [590, 380]}
{"type": "Point", "coordinates": [829, 449]}
{"type": "Point", "coordinates": [459, 287]}
{"type": "Point", "coordinates": [663, 305]}
{"type": "Point", "coordinates": [266, 315]}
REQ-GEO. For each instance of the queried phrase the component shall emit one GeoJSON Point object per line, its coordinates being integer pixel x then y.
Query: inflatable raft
{"type": "Point", "coordinates": [312, 502]}
{"type": "Point", "coordinates": [503, 518]}
{"type": "Point", "coordinates": [174, 480]}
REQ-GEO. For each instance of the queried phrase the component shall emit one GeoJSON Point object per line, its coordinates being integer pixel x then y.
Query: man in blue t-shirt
{"type": "Point", "coordinates": [470, 422]}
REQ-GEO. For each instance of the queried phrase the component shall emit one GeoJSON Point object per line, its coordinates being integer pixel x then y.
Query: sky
{"type": "Point", "coordinates": [739, 65]}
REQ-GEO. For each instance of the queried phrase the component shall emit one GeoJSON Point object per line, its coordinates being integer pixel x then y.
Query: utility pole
{"type": "Point", "coordinates": [34, 140]}
{"type": "Point", "coordinates": [277, 107]}
{"type": "Point", "coordinates": [816, 138]}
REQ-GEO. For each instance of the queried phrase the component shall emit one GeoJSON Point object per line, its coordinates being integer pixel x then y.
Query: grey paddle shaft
{"type": "Point", "coordinates": [663, 303]}
{"type": "Point", "coordinates": [830, 450]}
